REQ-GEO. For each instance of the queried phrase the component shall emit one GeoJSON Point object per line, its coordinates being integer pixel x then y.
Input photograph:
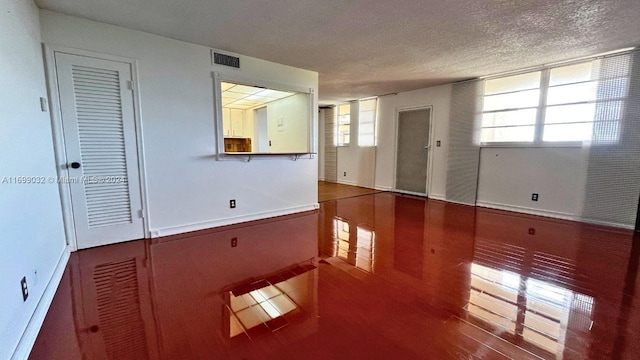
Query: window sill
{"type": "Point", "coordinates": [567, 144]}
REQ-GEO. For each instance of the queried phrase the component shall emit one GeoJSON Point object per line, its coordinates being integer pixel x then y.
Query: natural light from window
{"type": "Point", "coordinates": [575, 103]}
{"type": "Point", "coordinates": [510, 108]}
{"type": "Point", "coordinates": [367, 122]}
{"type": "Point", "coordinates": [357, 249]}
{"type": "Point", "coordinates": [344, 125]}
{"type": "Point", "coordinates": [535, 310]}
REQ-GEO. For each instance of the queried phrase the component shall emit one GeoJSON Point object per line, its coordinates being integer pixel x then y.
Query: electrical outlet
{"type": "Point", "coordinates": [534, 197]}
{"type": "Point", "coordinates": [232, 203]}
{"type": "Point", "coordinates": [438, 143]}
{"type": "Point", "coordinates": [345, 174]}
{"type": "Point", "coordinates": [25, 289]}
{"type": "Point", "coordinates": [234, 242]}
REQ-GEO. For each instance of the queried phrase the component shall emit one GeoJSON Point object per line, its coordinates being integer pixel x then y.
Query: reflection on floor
{"type": "Point", "coordinates": [379, 276]}
{"type": "Point", "coordinates": [265, 304]}
{"type": "Point", "coordinates": [333, 191]}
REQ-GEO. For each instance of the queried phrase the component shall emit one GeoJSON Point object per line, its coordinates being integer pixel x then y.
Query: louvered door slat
{"type": "Point", "coordinates": [98, 97]}
{"type": "Point", "coordinates": [92, 71]}
{"type": "Point", "coordinates": [96, 90]}
{"type": "Point", "coordinates": [98, 114]}
{"type": "Point", "coordinates": [83, 75]}
{"type": "Point", "coordinates": [109, 203]}
{"type": "Point", "coordinates": [101, 119]}
{"type": "Point", "coordinates": [92, 97]}
{"type": "Point", "coordinates": [97, 85]}
{"type": "Point", "coordinates": [97, 148]}
{"type": "Point", "coordinates": [100, 124]}
{"type": "Point", "coordinates": [80, 75]}
{"type": "Point", "coordinates": [118, 307]}
{"type": "Point", "coordinates": [119, 167]}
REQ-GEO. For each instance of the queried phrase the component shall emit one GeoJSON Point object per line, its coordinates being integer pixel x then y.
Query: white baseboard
{"type": "Point", "coordinates": [347, 182]}
{"type": "Point", "coordinates": [527, 210]}
{"type": "Point", "coordinates": [28, 338]}
{"type": "Point", "coordinates": [437, 197]}
{"type": "Point", "coordinates": [462, 203]}
{"type": "Point", "coordinates": [608, 223]}
{"type": "Point", "coordinates": [552, 214]}
{"type": "Point", "coordinates": [229, 221]}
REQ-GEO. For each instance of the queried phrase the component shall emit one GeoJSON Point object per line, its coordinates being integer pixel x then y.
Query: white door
{"type": "Point", "coordinates": [412, 152]}
{"type": "Point", "coordinates": [99, 130]}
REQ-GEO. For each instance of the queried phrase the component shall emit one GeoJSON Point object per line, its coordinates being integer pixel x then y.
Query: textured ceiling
{"type": "Point", "coordinates": [365, 48]}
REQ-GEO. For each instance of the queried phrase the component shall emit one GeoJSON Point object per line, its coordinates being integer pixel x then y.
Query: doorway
{"type": "Point", "coordinates": [98, 126]}
{"type": "Point", "coordinates": [261, 130]}
{"type": "Point", "coordinates": [412, 151]}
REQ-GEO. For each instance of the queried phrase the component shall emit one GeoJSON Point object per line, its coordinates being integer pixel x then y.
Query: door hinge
{"type": "Point", "coordinates": [140, 214]}
{"type": "Point", "coordinates": [129, 84]}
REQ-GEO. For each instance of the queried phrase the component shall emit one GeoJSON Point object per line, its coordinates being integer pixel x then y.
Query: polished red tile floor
{"type": "Point", "coordinates": [378, 276]}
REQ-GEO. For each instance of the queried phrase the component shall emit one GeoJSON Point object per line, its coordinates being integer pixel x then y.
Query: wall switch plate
{"type": "Point", "coordinates": [438, 143]}
{"type": "Point", "coordinates": [25, 290]}
{"type": "Point", "coordinates": [534, 197]}
{"type": "Point", "coordinates": [345, 174]}
{"type": "Point", "coordinates": [232, 203]}
{"type": "Point", "coordinates": [234, 242]}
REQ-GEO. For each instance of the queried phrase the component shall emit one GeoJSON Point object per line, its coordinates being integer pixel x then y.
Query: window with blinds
{"type": "Point", "coordinates": [510, 108]}
{"type": "Point", "coordinates": [367, 122]}
{"type": "Point", "coordinates": [575, 103]}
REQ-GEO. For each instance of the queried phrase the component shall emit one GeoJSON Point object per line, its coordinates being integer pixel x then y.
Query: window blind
{"type": "Point", "coordinates": [613, 172]}
{"type": "Point", "coordinates": [464, 142]}
{"type": "Point", "coordinates": [330, 150]}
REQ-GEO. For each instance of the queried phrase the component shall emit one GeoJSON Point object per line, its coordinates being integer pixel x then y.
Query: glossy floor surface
{"type": "Point", "coordinates": [334, 191]}
{"type": "Point", "coordinates": [378, 276]}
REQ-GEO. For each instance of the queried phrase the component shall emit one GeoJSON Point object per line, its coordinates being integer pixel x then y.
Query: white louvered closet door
{"type": "Point", "coordinates": [100, 142]}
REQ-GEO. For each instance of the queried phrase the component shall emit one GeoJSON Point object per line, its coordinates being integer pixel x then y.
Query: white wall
{"type": "Point", "coordinates": [32, 235]}
{"type": "Point", "coordinates": [293, 137]}
{"type": "Point", "coordinates": [188, 189]}
{"type": "Point", "coordinates": [359, 165]}
{"type": "Point", "coordinates": [439, 98]}
{"type": "Point", "coordinates": [508, 177]}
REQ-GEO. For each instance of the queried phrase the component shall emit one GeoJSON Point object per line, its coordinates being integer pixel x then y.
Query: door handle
{"type": "Point", "coordinates": [75, 165]}
{"type": "Point", "coordinates": [427, 146]}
